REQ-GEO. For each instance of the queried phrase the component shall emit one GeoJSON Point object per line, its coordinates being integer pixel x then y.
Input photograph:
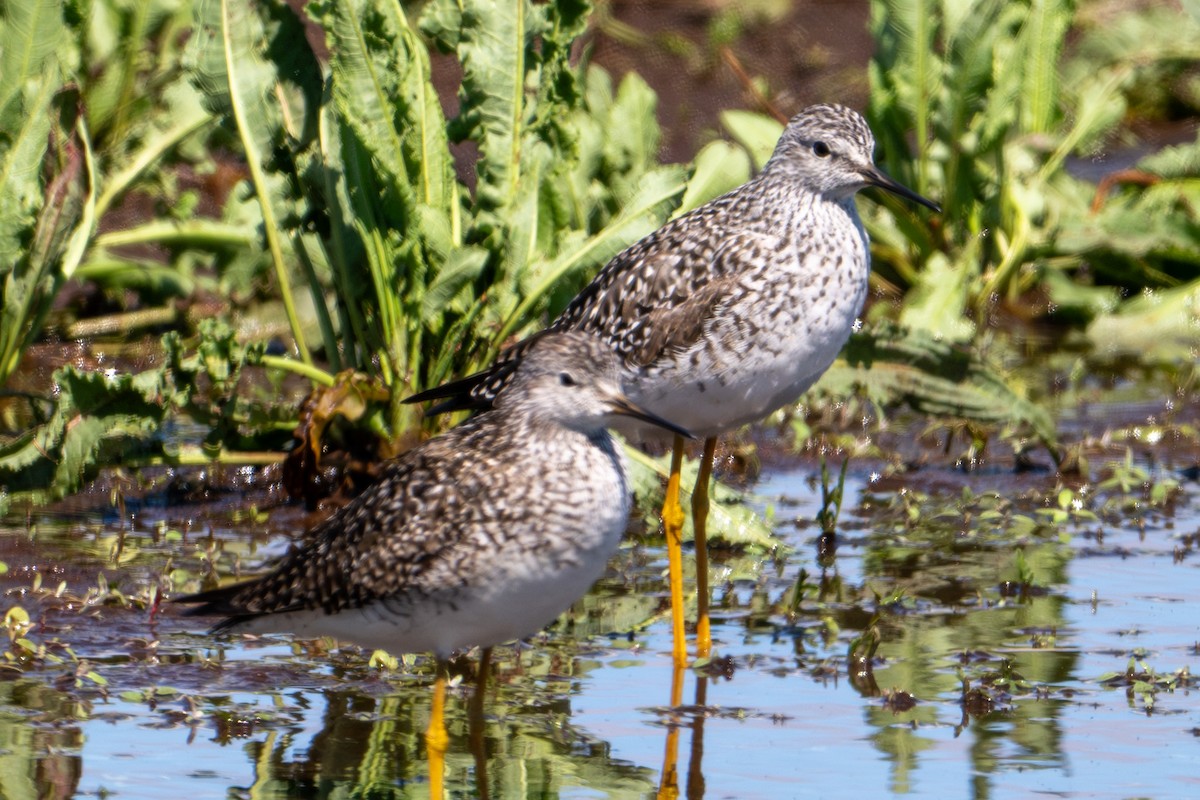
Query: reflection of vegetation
{"type": "Point", "coordinates": [374, 746]}
{"type": "Point", "coordinates": [113, 157]}
{"type": "Point", "coordinates": [38, 762]}
{"type": "Point", "coordinates": [942, 645]}
{"type": "Point", "coordinates": [960, 637]}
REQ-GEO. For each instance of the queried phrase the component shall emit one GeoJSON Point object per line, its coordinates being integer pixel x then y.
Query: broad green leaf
{"type": "Point", "coordinates": [184, 115]}
{"type": "Point", "coordinates": [719, 167]}
{"type": "Point", "coordinates": [1175, 161]}
{"type": "Point", "coordinates": [97, 416]}
{"type": "Point", "coordinates": [641, 215]}
{"type": "Point", "coordinates": [382, 92]}
{"type": "Point", "coordinates": [462, 267]}
{"type": "Point", "coordinates": [939, 299]}
{"type": "Point", "coordinates": [21, 199]}
{"type": "Point", "coordinates": [638, 146]}
{"type": "Point", "coordinates": [1158, 326]}
{"type": "Point", "coordinates": [490, 38]}
{"type": "Point", "coordinates": [32, 34]}
{"type": "Point", "coordinates": [755, 132]}
{"type": "Point", "coordinates": [1042, 39]}
{"type": "Point", "coordinates": [892, 365]}
{"type": "Point", "coordinates": [256, 69]}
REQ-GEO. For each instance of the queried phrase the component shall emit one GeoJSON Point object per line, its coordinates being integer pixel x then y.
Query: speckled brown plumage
{"type": "Point", "coordinates": [738, 306]}
{"type": "Point", "coordinates": [481, 535]}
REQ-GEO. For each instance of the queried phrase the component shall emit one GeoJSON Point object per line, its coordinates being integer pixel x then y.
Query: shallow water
{"type": "Point", "coordinates": [996, 674]}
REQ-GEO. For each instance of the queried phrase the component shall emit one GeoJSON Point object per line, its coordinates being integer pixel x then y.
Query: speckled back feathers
{"type": "Point", "coordinates": [656, 298]}
{"type": "Point", "coordinates": [513, 480]}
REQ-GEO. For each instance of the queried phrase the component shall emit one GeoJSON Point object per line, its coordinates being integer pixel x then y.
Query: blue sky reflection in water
{"type": "Point", "coordinates": [582, 715]}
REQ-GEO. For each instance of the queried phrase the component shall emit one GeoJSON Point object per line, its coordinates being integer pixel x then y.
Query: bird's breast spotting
{"type": "Point", "coordinates": [760, 354]}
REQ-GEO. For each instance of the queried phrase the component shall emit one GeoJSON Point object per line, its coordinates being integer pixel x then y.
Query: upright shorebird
{"type": "Point", "coordinates": [479, 536]}
{"type": "Point", "coordinates": [730, 311]}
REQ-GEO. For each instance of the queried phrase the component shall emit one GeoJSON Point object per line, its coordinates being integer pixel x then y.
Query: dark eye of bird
{"type": "Point", "coordinates": [821, 149]}
{"type": "Point", "coordinates": [565, 379]}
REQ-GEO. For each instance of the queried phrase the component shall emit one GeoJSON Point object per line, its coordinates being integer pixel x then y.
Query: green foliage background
{"type": "Point", "coordinates": [305, 186]}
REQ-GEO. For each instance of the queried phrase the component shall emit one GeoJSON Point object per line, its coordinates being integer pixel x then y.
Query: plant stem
{"type": "Point", "coordinates": [194, 456]}
{"type": "Point", "coordinates": [313, 373]}
{"type": "Point", "coordinates": [122, 323]}
{"type": "Point", "coordinates": [259, 179]}
{"type": "Point", "coordinates": [196, 233]}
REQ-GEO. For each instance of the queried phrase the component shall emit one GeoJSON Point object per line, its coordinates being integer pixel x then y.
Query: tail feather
{"type": "Point", "coordinates": [477, 392]}
{"type": "Point", "coordinates": [459, 395]}
{"type": "Point", "coordinates": [219, 602]}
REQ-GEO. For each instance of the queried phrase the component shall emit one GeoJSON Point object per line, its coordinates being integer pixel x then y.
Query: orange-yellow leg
{"type": "Point", "coordinates": [672, 515]}
{"type": "Point", "coordinates": [476, 724]}
{"type": "Point", "coordinates": [437, 741]}
{"type": "Point", "coordinates": [699, 523]}
{"type": "Point", "coordinates": [668, 782]}
{"type": "Point", "coordinates": [695, 773]}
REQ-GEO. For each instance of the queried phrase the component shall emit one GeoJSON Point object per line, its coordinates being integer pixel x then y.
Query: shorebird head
{"type": "Point", "coordinates": [830, 149]}
{"type": "Point", "coordinates": [572, 379]}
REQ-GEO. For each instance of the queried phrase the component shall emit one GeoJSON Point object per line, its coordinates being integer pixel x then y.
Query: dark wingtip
{"type": "Point", "coordinates": [211, 602]}
{"type": "Point", "coordinates": [464, 394]}
{"type": "Point", "coordinates": [436, 393]}
{"type": "Point", "coordinates": [216, 603]}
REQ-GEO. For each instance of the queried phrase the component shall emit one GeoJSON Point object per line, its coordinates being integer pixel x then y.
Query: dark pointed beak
{"type": "Point", "coordinates": [876, 177]}
{"type": "Point", "coordinates": [619, 404]}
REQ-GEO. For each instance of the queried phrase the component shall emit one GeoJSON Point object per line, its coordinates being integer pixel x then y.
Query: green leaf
{"type": "Point", "coordinates": [32, 34]}
{"type": "Point", "coordinates": [1161, 326]}
{"type": "Point", "coordinates": [382, 92]}
{"type": "Point", "coordinates": [755, 132]}
{"type": "Point", "coordinates": [462, 267]}
{"type": "Point", "coordinates": [719, 167]}
{"type": "Point", "coordinates": [891, 365]}
{"type": "Point", "coordinates": [96, 417]}
{"type": "Point", "coordinates": [634, 104]}
{"type": "Point", "coordinates": [155, 135]}
{"type": "Point", "coordinates": [939, 299]}
{"type": "Point", "coordinates": [642, 214]}
{"type": "Point", "coordinates": [1041, 41]}
{"type": "Point", "coordinates": [490, 37]}
{"type": "Point", "coordinates": [255, 68]}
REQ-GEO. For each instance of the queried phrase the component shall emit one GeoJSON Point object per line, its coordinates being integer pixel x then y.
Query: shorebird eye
{"type": "Point", "coordinates": [821, 149]}
{"type": "Point", "coordinates": [565, 379]}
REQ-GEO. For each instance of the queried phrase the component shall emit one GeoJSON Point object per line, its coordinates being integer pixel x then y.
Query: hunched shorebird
{"type": "Point", "coordinates": [728, 312]}
{"type": "Point", "coordinates": [479, 536]}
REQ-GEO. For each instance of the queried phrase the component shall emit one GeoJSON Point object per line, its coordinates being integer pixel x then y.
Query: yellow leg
{"type": "Point", "coordinates": [699, 523]}
{"type": "Point", "coordinates": [668, 782]}
{"type": "Point", "coordinates": [437, 741]}
{"type": "Point", "coordinates": [695, 773]}
{"type": "Point", "coordinates": [672, 515]}
{"type": "Point", "coordinates": [476, 724]}
{"type": "Point", "coordinates": [668, 786]}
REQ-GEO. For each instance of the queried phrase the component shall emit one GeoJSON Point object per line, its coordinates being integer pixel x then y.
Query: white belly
{"type": "Point", "coordinates": [730, 379]}
{"type": "Point", "coordinates": [513, 577]}
{"type": "Point", "coordinates": [510, 607]}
